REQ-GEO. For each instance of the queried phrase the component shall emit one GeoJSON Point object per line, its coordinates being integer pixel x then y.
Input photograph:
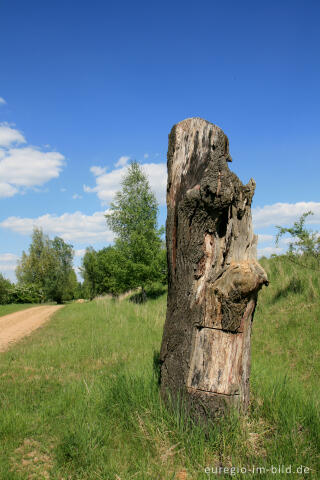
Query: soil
{"type": "Point", "coordinates": [17, 325]}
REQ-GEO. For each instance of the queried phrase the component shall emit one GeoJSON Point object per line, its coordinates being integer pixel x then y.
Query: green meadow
{"type": "Point", "coordinates": [80, 396]}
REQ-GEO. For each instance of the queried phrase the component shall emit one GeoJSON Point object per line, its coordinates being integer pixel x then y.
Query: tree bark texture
{"type": "Point", "coordinates": [213, 274]}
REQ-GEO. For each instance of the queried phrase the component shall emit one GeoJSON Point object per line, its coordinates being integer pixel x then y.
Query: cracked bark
{"type": "Point", "coordinates": [213, 274]}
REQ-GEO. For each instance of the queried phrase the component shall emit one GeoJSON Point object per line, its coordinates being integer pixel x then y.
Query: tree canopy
{"type": "Point", "coordinates": [138, 243]}
{"type": "Point", "coordinates": [47, 268]}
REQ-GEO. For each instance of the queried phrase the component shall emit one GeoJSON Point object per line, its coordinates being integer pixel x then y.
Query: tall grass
{"type": "Point", "coordinates": [80, 397]}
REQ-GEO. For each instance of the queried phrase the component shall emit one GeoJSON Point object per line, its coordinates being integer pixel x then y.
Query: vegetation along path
{"type": "Point", "coordinates": [17, 325]}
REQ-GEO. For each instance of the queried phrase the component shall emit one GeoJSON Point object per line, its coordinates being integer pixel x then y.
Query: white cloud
{"type": "Point", "coordinates": [267, 251]}
{"type": "Point", "coordinates": [262, 238]}
{"type": "Point", "coordinates": [76, 196]}
{"type": "Point", "coordinates": [8, 262]}
{"type": "Point", "coordinates": [88, 189]}
{"type": "Point", "coordinates": [2, 101]}
{"type": "Point", "coordinates": [27, 167]}
{"type": "Point", "coordinates": [80, 252]}
{"type": "Point", "coordinates": [122, 162]}
{"type": "Point", "coordinates": [146, 155]}
{"type": "Point", "coordinates": [24, 167]}
{"type": "Point", "coordinates": [8, 257]}
{"type": "Point", "coordinates": [107, 184]}
{"type": "Point", "coordinates": [9, 135]}
{"type": "Point", "coordinates": [7, 190]}
{"type": "Point", "coordinates": [97, 171]}
{"type": "Point", "coordinates": [63, 190]}
{"type": "Point", "coordinates": [7, 267]}
{"type": "Point", "coordinates": [284, 214]}
{"type": "Point", "coordinates": [72, 227]}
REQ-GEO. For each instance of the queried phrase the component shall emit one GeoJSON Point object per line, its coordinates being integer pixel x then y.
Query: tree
{"type": "Point", "coordinates": [133, 219]}
{"type": "Point", "coordinates": [101, 271]}
{"type": "Point", "coordinates": [5, 289]}
{"type": "Point", "coordinates": [58, 284]}
{"type": "Point", "coordinates": [48, 268]}
{"type": "Point", "coordinates": [33, 268]}
{"type": "Point", "coordinates": [89, 272]}
{"type": "Point", "coordinates": [304, 247]}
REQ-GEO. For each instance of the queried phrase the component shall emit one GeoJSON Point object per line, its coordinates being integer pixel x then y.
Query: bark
{"type": "Point", "coordinates": [213, 274]}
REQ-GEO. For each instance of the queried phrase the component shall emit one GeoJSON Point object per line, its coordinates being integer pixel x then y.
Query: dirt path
{"type": "Point", "coordinates": [19, 324]}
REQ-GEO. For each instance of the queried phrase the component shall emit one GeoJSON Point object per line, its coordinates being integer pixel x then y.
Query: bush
{"type": "Point", "coordinates": [5, 288]}
{"type": "Point", "coordinates": [24, 294]}
{"type": "Point", "coordinates": [11, 293]}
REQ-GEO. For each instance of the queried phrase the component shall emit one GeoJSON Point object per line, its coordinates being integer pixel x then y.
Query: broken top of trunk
{"type": "Point", "coordinates": [213, 273]}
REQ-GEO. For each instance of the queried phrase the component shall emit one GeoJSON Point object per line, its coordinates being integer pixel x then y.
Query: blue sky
{"type": "Point", "coordinates": [85, 86]}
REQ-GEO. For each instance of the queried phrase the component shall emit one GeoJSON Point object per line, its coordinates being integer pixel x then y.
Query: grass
{"type": "Point", "coordinates": [15, 307]}
{"type": "Point", "coordinates": [80, 398]}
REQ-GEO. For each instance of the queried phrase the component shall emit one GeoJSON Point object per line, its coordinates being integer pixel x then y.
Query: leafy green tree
{"type": "Point", "coordinates": [5, 290]}
{"type": "Point", "coordinates": [133, 219]}
{"type": "Point", "coordinates": [58, 284]}
{"type": "Point", "coordinates": [48, 268]}
{"type": "Point", "coordinates": [100, 271]}
{"type": "Point", "coordinates": [89, 272]}
{"type": "Point", "coordinates": [109, 270]}
{"type": "Point", "coordinates": [74, 287]}
{"type": "Point", "coordinates": [304, 246]}
{"type": "Point", "coordinates": [33, 268]}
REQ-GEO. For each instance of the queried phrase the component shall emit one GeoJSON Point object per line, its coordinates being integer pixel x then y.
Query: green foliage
{"type": "Point", "coordinates": [138, 257]}
{"type": "Point", "coordinates": [47, 269]}
{"type": "Point", "coordinates": [99, 270]}
{"type": "Point", "coordinates": [304, 247]}
{"type": "Point", "coordinates": [60, 281]}
{"type": "Point", "coordinates": [139, 247]}
{"type": "Point", "coordinates": [134, 210]}
{"type": "Point", "coordinates": [33, 268]}
{"type": "Point", "coordinates": [5, 288]}
{"type": "Point", "coordinates": [22, 293]}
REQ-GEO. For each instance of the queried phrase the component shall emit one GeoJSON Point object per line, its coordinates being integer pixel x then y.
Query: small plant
{"type": "Point", "coordinates": [304, 247]}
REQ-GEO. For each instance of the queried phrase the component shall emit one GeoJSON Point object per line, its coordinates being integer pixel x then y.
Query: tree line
{"type": "Point", "coordinates": [136, 259]}
{"type": "Point", "coordinates": [45, 273]}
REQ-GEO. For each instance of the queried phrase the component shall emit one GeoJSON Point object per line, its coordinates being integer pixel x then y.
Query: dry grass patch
{"type": "Point", "coordinates": [33, 459]}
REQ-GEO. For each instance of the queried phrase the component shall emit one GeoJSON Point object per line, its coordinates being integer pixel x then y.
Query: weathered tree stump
{"type": "Point", "coordinates": [214, 276]}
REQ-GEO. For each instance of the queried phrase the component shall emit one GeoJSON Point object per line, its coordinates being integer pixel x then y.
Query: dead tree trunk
{"type": "Point", "coordinates": [213, 273]}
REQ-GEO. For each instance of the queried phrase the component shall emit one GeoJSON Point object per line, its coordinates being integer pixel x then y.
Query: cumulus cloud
{"type": "Point", "coordinates": [146, 155]}
{"type": "Point", "coordinates": [80, 252]}
{"type": "Point", "coordinates": [74, 227]}
{"type": "Point", "coordinates": [8, 262]}
{"type": "Point", "coordinates": [76, 196]}
{"type": "Point", "coordinates": [122, 161]}
{"type": "Point", "coordinates": [267, 251]}
{"type": "Point", "coordinates": [27, 167]}
{"type": "Point", "coordinates": [23, 167]}
{"type": "Point", "coordinates": [7, 190]}
{"type": "Point", "coordinates": [284, 214]}
{"type": "Point", "coordinates": [262, 238]}
{"type": "Point", "coordinates": [9, 135]}
{"type": "Point", "coordinates": [2, 101]}
{"type": "Point", "coordinates": [97, 171]}
{"type": "Point", "coordinates": [108, 183]}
